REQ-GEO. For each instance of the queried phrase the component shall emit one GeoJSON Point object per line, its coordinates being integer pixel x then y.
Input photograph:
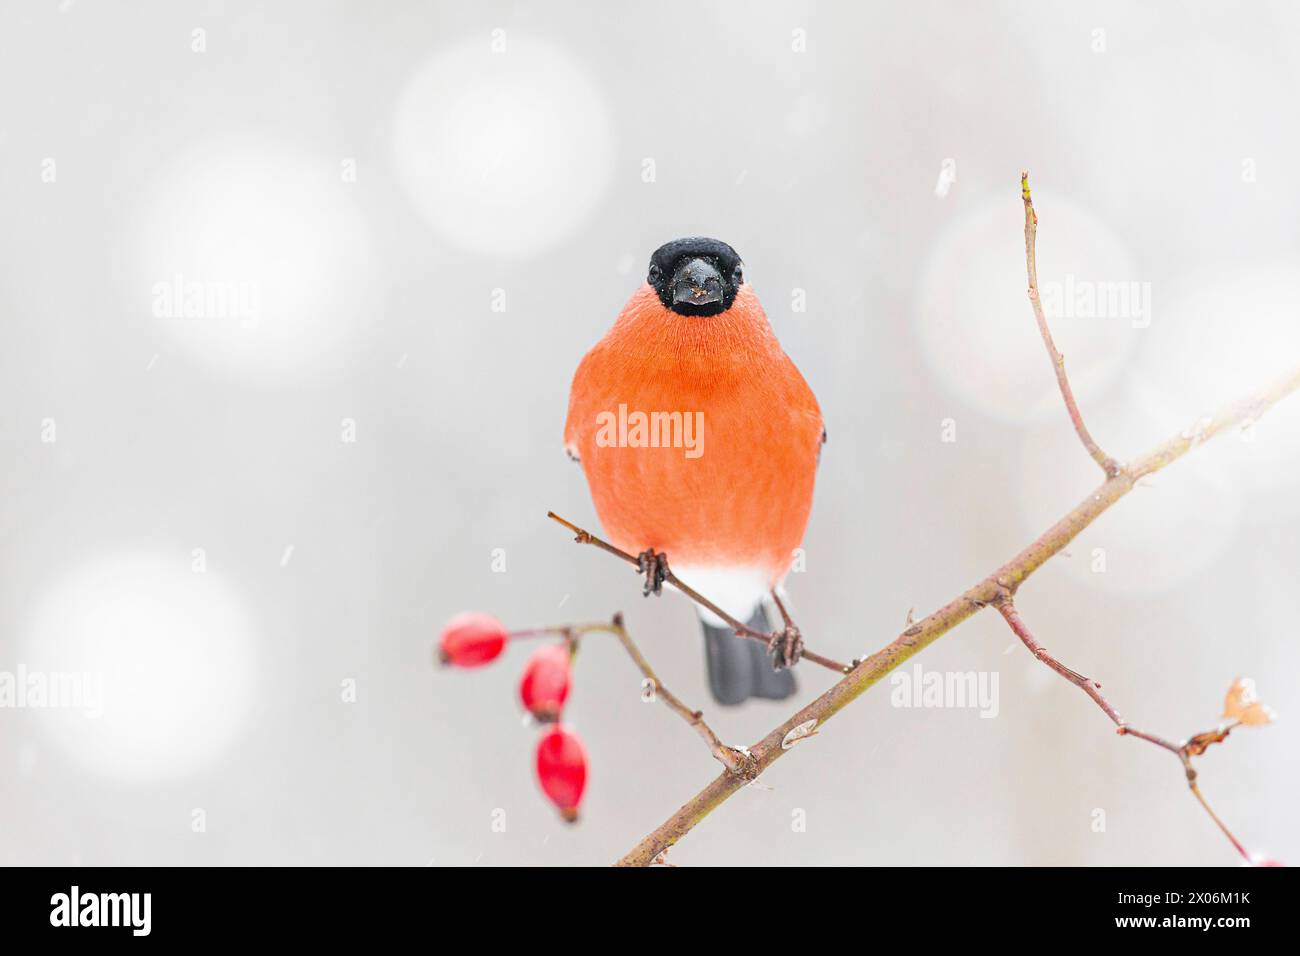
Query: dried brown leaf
{"type": "Point", "coordinates": [1201, 742]}
{"type": "Point", "coordinates": [1243, 704]}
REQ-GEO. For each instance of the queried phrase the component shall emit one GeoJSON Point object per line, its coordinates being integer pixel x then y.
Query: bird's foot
{"type": "Point", "coordinates": [654, 565]}
{"type": "Point", "coordinates": [786, 647]}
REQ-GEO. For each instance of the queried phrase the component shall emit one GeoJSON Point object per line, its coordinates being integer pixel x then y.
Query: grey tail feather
{"type": "Point", "coordinates": [740, 667]}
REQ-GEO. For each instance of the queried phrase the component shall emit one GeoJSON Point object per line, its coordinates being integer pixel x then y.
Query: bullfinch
{"type": "Point", "coordinates": [700, 441]}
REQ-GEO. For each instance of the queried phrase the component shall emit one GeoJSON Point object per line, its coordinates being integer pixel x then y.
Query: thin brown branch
{"type": "Point", "coordinates": [559, 630]}
{"type": "Point", "coordinates": [1090, 687]}
{"type": "Point", "coordinates": [736, 761]}
{"type": "Point", "coordinates": [1196, 792]}
{"type": "Point", "coordinates": [583, 536]}
{"type": "Point", "coordinates": [1109, 465]}
{"type": "Point", "coordinates": [1093, 689]}
{"type": "Point", "coordinates": [997, 586]}
{"type": "Point", "coordinates": [929, 629]}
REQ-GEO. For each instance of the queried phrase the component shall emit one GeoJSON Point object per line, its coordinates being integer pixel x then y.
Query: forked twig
{"type": "Point", "coordinates": [736, 761]}
{"type": "Point", "coordinates": [1090, 687]}
{"type": "Point", "coordinates": [997, 589]}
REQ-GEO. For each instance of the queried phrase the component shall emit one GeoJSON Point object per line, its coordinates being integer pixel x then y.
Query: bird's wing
{"type": "Point", "coordinates": [577, 394]}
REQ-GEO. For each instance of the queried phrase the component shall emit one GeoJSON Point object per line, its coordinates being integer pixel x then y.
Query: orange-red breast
{"type": "Point", "coordinates": [700, 439]}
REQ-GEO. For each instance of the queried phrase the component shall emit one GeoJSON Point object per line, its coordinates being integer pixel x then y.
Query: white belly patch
{"type": "Point", "coordinates": [738, 591]}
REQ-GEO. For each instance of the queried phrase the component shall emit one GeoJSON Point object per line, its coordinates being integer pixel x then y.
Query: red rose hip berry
{"type": "Point", "coordinates": [562, 769]}
{"type": "Point", "coordinates": [471, 639]}
{"type": "Point", "coordinates": [545, 684]}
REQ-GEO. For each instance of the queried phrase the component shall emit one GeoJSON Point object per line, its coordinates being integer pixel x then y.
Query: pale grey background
{"type": "Point", "coordinates": [820, 166]}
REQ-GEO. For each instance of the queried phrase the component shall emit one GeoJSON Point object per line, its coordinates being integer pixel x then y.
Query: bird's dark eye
{"type": "Point", "coordinates": [737, 276]}
{"type": "Point", "coordinates": [654, 274]}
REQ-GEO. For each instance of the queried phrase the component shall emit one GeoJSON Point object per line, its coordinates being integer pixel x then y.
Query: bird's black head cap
{"type": "Point", "coordinates": [696, 276]}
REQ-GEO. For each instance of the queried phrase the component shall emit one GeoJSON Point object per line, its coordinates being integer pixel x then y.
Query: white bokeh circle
{"type": "Point", "coordinates": [1218, 338]}
{"type": "Point", "coordinates": [169, 654]}
{"type": "Point", "coordinates": [503, 153]}
{"type": "Point", "coordinates": [973, 318]}
{"type": "Point", "coordinates": [1172, 526]}
{"type": "Point", "coordinates": [255, 259]}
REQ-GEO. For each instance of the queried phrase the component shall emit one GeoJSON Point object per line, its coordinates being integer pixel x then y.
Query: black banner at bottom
{"type": "Point", "coordinates": [126, 905]}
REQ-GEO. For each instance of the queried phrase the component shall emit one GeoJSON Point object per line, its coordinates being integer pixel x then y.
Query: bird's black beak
{"type": "Point", "coordinates": [697, 283]}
